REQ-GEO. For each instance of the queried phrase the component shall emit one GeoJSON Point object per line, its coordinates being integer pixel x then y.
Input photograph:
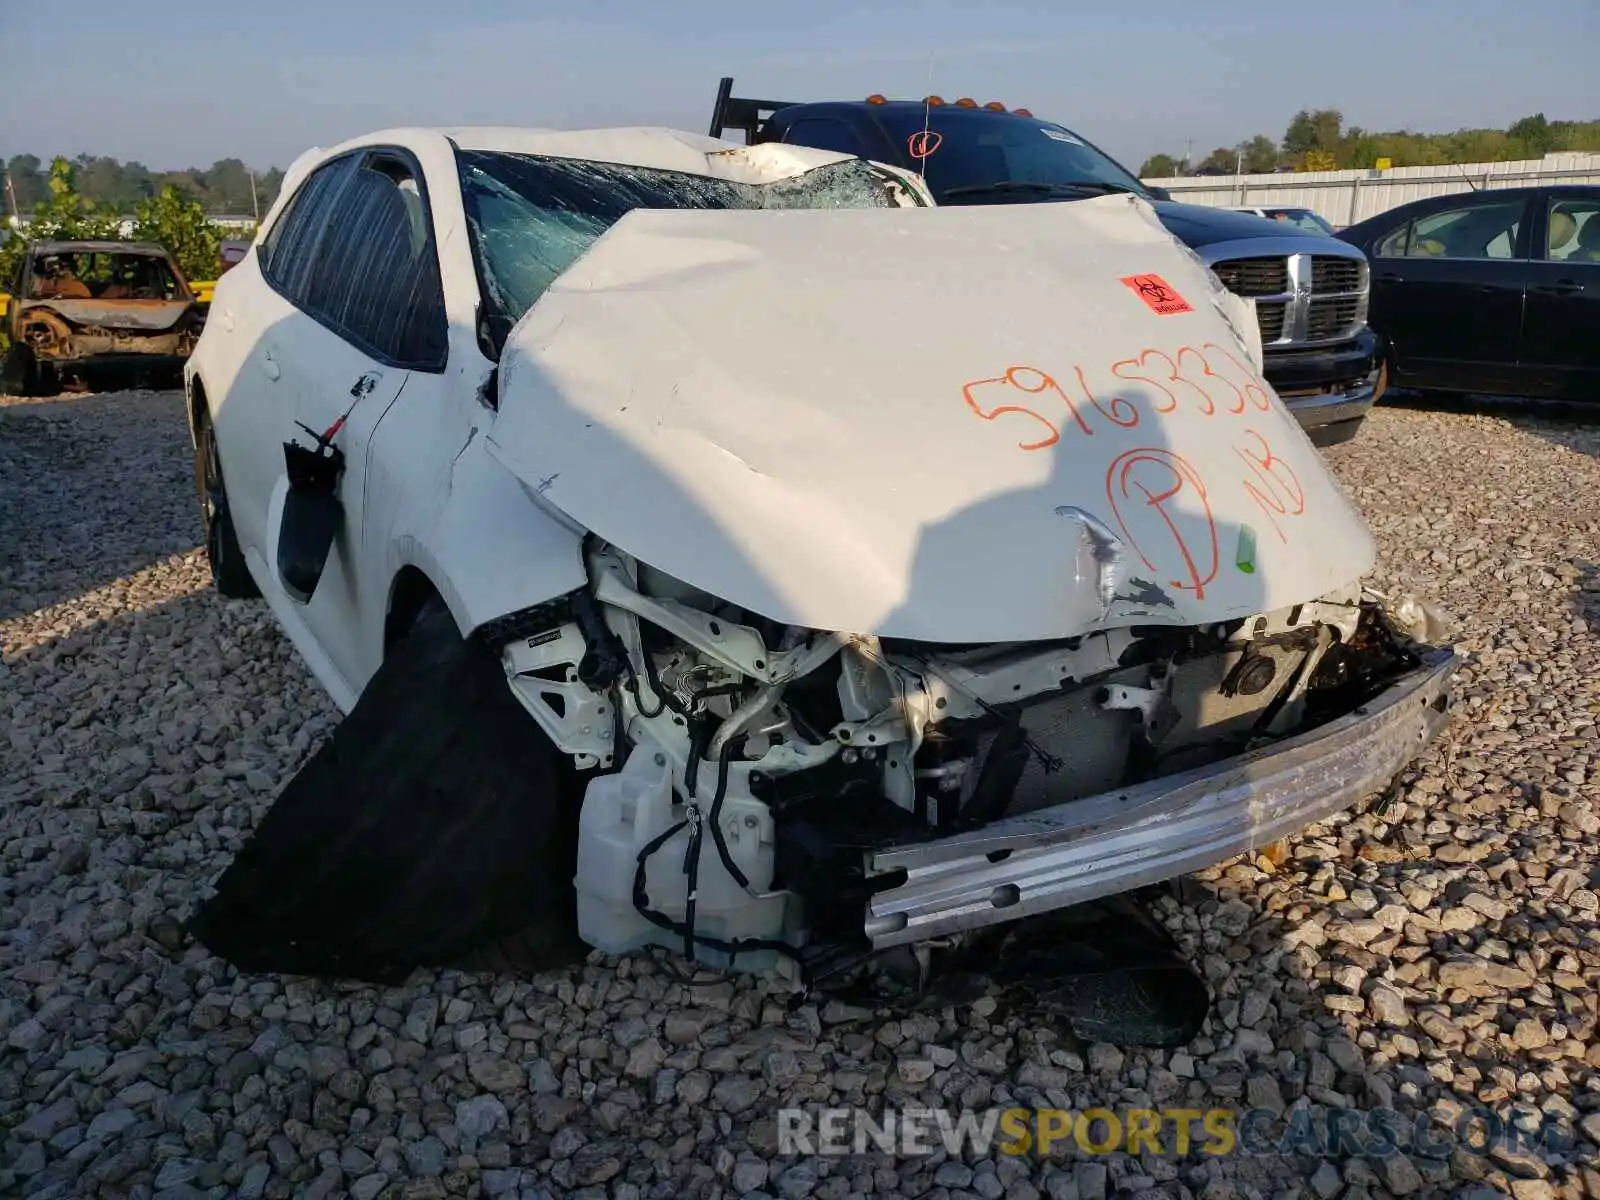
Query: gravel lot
{"type": "Point", "coordinates": [1441, 954]}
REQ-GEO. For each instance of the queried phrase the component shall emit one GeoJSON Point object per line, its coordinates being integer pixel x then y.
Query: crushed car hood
{"type": "Point", "coordinates": [968, 424]}
{"type": "Point", "coordinates": [149, 316]}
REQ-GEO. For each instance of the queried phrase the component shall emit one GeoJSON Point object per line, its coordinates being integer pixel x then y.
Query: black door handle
{"type": "Point", "coordinates": [1561, 287]}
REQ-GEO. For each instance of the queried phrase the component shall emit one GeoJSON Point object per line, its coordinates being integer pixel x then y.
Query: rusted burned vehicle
{"type": "Point", "coordinates": [79, 309]}
{"type": "Point", "coordinates": [725, 548]}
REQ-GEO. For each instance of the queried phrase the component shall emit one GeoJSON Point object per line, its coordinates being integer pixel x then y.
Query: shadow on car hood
{"type": "Point", "coordinates": [968, 424]}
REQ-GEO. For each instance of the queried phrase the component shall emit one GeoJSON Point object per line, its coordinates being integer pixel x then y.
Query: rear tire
{"type": "Point", "coordinates": [19, 373]}
{"type": "Point", "coordinates": [229, 574]}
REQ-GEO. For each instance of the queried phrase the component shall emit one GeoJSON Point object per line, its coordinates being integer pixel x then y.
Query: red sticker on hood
{"type": "Point", "coordinates": [1158, 294]}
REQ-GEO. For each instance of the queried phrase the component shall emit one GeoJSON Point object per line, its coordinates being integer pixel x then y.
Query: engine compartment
{"type": "Point", "coordinates": [739, 773]}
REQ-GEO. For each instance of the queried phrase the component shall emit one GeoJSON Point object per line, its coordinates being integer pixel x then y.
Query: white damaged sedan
{"type": "Point", "coordinates": [726, 548]}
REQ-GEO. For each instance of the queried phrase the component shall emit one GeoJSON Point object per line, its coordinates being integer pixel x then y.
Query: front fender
{"type": "Point", "coordinates": [494, 550]}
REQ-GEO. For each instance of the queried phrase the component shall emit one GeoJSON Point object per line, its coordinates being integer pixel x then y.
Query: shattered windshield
{"type": "Point", "coordinates": [969, 155]}
{"type": "Point", "coordinates": [531, 217]}
{"type": "Point", "coordinates": [1301, 218]}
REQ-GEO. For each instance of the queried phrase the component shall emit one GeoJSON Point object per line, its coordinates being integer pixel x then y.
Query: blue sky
{"type": "Point", "coordinates": [185, 83]}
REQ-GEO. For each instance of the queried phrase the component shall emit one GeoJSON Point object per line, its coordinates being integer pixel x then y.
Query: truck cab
{"type": "Point", "coordinates": [1310, 292]}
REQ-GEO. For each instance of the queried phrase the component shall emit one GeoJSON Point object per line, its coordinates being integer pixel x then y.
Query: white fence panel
{"type": "Point", "coordinates": [1345, 197]}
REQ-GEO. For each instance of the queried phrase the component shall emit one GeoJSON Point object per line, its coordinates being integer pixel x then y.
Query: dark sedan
{"type": "Point", "coordinates": [1490, 291]}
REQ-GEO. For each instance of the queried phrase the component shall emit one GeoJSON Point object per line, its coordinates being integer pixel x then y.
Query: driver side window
{"type": "Point", "coordinates": [825, 133]}
{"type": "Point", "coordinates": [1472, 231]}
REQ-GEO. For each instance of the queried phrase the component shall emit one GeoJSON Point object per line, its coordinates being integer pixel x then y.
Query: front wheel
{"type": "Point", "coordinates": [229, 574]}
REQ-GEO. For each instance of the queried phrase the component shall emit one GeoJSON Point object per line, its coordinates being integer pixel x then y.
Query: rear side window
{"type": "Point", "coordinates": [376, 278]}
{"type": "Point", "coordinates": [290, 246]}
{"type": "Point", "coordinates": [825, 133]}
{"type": "Point", "coordinates": [356, 252]}
{"type": "Point", "coordinates": [1572, 231]}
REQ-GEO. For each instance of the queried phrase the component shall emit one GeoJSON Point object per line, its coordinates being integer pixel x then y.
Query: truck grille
{"type": "Point", "coordinates": [1254, 276]}
{"type": "Point", "coordinates": [1270, 315]}
{"type": "Point", "coordinates": [1301, 299]}
{"type": "Point", "coordinates": [1330, 274]}
{"type": "Point", "coordinates": [1331, 317]}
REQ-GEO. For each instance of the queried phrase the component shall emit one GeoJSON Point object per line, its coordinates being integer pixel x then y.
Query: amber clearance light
{"type": "Point", "coordinates": [964, 102]}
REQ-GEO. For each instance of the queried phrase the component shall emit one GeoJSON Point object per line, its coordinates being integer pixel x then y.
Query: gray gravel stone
{"type": "Point", "coordinates": [1440, 950]}
{"type": "Point", "coordinates": [481, 1116]}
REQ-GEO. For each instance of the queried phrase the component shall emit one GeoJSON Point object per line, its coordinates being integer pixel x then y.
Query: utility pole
{"type": "Point", "coordinates": [255, 203]}
{"type": "Point", "coordinates": [11, 200]}
{"type": "Point", "coordinates": [1188, 154]}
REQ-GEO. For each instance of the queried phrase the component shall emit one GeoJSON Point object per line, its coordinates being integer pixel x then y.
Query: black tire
{"type": "Point", "coordinates": [433, 828]}
{"type": "Point", "coordinates": [19, 373]}
{"type": "Point", "coordinates": [229, 574]}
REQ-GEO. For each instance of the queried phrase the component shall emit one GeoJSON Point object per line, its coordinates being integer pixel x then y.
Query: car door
{"type": "Point", "coordinates": [250, 312]}
{"type": "Point", "coordinates": [1560, 355]}
{"type": "Point", "coordinates": [1447, 291]}
{"type": "Point", "coordinates": [372, 316]}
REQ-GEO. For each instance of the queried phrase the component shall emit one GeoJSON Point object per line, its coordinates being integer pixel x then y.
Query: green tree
{"type": "Point", "coordinates": [1221, 159]}
{"type": "Point", "coordinates": [1313, 129]}
{"type": "Point", "coordinates": [1159, 166]}
{"type": "Point", "coordinates": [1533, 132]}
{"type": "Point", "coordinates": [111, 184]}
{"type": "Point", "coordinates": [1575, 135]}
{"type": "Point", "coordinates": [1259, 153]}
{"type": "Point", "coordinates": [63, 214]}
{"type": "Point", "coordinates": [267, 187]}
{"type": "Point", "coordinates": [228, 186]}
{"type": "Point", "coordinates": [27, 181]}
{"type": "Point", "coordinates": [178, 222]}
{"type": "Point", "coordinates": [1358, 148]}
{"type": "Point", "coordinates": [67, 212]}
{"type": "Point", "coordinates": [1301, 134]}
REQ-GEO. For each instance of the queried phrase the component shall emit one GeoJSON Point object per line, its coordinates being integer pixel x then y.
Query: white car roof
{"type": "Point", "coordinates": [635, 146]}
{"type": "Point", "coordinates": [630, 146]}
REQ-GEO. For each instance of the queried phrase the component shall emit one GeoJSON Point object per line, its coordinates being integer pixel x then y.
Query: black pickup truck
{"type": "Point", "coordinates": [1310, 292]}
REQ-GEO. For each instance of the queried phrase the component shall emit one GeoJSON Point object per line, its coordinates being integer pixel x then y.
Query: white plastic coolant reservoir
{"type": "Point", "coordinates": [623, 813]}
